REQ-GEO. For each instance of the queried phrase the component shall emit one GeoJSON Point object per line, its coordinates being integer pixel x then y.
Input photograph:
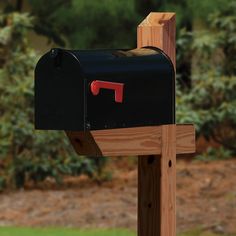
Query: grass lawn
{"type": "Point", "coordinates": [5, 231]}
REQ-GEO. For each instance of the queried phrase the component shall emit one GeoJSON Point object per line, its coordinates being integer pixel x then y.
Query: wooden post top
{"type": "Point", "coordinates": [157, 19]}
{"type": "Point", "coordinates": [158, 30]}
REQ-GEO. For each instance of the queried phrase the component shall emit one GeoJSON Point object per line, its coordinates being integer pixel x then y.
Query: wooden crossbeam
{"type": "Point", "coordinates": [130, 141]}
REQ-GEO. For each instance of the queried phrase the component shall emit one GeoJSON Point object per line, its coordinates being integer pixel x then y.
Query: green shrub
{"type": "Point", "coordinates": [213, 154]}
{"type": "Point", "coordinates": [211, 106]}
{"type": "Point", "coordinates": [211, 102]}
{"type": "Point", "coordinates": [26, 153]}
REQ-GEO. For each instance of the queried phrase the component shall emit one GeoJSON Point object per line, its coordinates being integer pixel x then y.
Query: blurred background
{"type": "Point", "coordinates": [45, 188]}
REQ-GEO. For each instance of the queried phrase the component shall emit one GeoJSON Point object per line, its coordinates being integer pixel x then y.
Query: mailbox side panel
{"type": "Point", "coordinates": [59, 92]}
{"type": "Point", "coordinates": [148, 94]}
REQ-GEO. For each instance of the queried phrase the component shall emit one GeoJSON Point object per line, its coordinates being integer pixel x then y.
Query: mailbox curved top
{"type": "Point", "coordinates": [101, 89]}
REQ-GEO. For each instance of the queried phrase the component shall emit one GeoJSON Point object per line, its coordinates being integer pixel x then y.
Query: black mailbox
{"type": "Point", "coordinates": [104, 89]}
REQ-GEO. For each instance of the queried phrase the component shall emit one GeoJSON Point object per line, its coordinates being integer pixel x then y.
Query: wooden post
{"type": "Point", "coordinates": [157, 176]}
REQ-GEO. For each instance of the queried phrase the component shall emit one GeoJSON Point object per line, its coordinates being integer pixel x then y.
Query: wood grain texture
{"type": "Point", "coordinates": [130, 141]}
{"type": "Point", "coordinates": [168, 181]}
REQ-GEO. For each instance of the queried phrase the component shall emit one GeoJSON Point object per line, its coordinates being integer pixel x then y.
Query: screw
{"type": "Point", "coordinates": [88, 126]}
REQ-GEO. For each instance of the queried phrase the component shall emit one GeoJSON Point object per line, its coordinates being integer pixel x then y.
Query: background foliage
{"type": "Point", "coordinates": [211, 102]}
{"type": "Point", "coordinates": [26, 154]}
{"type": "Point", "coordinates": [206, 66]}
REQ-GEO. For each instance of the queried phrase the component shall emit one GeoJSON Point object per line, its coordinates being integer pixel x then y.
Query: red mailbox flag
{"type": "Point", "coordinates": [96, 85]}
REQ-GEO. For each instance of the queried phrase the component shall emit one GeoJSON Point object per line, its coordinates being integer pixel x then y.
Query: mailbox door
{"type": "Point", "coordinates": [59, 92]}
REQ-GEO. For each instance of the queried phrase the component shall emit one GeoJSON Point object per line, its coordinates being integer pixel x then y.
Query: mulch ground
{"type": "Point", "coordinates": [206, 197]}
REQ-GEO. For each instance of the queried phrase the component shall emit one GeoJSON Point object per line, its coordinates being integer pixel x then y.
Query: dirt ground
{"type": "Point", "coordinates": [206, 197]}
